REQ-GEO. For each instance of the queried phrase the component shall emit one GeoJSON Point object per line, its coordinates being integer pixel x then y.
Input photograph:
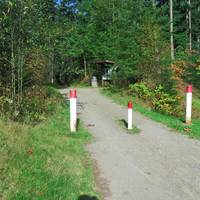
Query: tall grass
{"type": "Point", "coordinates": [45, 161]}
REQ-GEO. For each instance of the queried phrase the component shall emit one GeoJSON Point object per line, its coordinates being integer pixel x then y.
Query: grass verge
{"type": "Point", "coordinates": [45, 161]}
{"type": "Point", "coordinates": [122, 123]}
{"type": "Point", "coordinates": [170, 121]}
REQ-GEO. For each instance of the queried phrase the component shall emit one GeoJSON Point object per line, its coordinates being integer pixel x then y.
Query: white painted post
{"type": "Point", "coordinates": [130, 115]}
{"type": "Point", "coordinates": [73, 112]}
{"type": "Point", "coordinates": [188, 104]}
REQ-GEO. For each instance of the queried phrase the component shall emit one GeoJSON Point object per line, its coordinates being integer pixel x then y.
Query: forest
{"type": "Point", "coordinates": [154, 48]}
{"type": "Point", "coordinates": [152, 43]}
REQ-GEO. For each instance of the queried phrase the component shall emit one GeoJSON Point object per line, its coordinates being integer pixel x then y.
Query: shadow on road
{"type": "Point", "coordinates": [77, 123]}
{"type": "Point", "coordinates": [87, 197]}
{"type": "Point", "coordinates": [124, 123]}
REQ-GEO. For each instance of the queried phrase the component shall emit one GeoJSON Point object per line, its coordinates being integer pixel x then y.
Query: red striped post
{"type": "Point", "coordinates": [188, 104]}
{"type": "Point", "coordinates": [73, 111]}
{"type": "Point", "coordinates": [130, 115]}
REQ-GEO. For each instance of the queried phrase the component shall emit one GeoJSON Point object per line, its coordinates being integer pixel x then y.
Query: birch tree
{"type": "Point", "coordinates": [171, 30]}
{"type": "Point", "coordinates": [190, 24]}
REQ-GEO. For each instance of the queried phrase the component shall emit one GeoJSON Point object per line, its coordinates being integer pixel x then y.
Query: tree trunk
{"type": "Point", "coordinates": [18, 73]}
{"type": "Point", "coordinates": [198, 38]}
{"type": "Point", "coordinates": [52, 68]}
{"type": "Point", "coordinates": [21, 77]}
{"type": "Point", "coordinates": [171, 30]}
{"type": "Point", "coordinates": [190, 25]}
{"type": "Point", "coordinates": [85, 66]}
{"type": "Point", "coordinates": [12, 66]}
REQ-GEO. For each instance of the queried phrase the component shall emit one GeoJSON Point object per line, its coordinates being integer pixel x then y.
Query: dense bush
{"type": "Point", "coordinates": [192, 72]}
{"type": "Point", "coordinates": [141, 90]}
{"type": "Point", "coordinates": [158, 99]}
{"type": "Point", "coordinates": [166, 103]}
{"type": "Point", "coordinates": [36, 105]}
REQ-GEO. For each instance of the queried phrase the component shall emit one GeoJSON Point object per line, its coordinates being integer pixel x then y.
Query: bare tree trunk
{"type": "Point", "coordinates": [171, 30]}
{"type": "Point", "coordinates": [21, 77]}
{"type": "Point", "coordinates": [52, 68]}
{"type": "Point", "coordinates": [18, 73]}
{"type": "Point", "coordinates": [12, 65]}
{"type": "Point", "coordinates": [85, 66]}
{"type": "Point", "coordinates": [198, 38]}
{"type": "Point", "coordinates": [157, 57]}
{"type": "Point", "coordinates": [190, 25]}
{"type": "Point", "coordinates": [19, 61]}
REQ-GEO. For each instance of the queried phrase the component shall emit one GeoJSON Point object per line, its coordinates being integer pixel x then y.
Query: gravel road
{"type": "Point", "coordinates": [157, 164]}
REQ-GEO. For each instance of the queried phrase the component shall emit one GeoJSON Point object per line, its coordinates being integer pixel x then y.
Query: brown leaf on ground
{"type": "Point", "coordinates": [29, 152]}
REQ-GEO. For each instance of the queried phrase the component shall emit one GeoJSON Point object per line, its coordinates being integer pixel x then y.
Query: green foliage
{"type": "Point", "coordinates": [141, 90]}
{"type": "Point", "coordinates": [37, 104]}
{"type": "Point", "coordinates": [43, 42]}
{"type": "Point", "coordinates": [192, 72]}
{"type": "Point", "coordinates": [170, 121]}
{"type": "Point", "coordinates": [158, 99]}
{"type": "Point", "coordinates": [59, 42]}
{"type": "Point", "coordinates": [196, 106]}
{"type": "Point", "coordinates": [5, 104]}
{"type": "Point", "coordinates": [181, 10]}
{"type": "Point", "coordinates": [165, 103]}
{"type": "Point", "coordinates": [45, 161]}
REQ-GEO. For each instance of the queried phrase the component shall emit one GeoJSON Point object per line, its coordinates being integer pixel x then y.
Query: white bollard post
{"type": "Point", "coordinates": [188, 104]}
{"type": "Point", "coordinates": [130, 115]}
{"type": "Point", "coordinates": [73, 111]}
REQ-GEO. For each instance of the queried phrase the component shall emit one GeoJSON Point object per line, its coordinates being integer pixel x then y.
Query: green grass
{"type": "Point", "coordinates": [81, 84]}
{"type": "Point", "coordinates": [134, 130]}
{"type": "Point", "coordinates": [170, 121]}
{"type": "Point", "coordinates": [196, 107]}
{"type": "Point", "coordinates": [45, 161]}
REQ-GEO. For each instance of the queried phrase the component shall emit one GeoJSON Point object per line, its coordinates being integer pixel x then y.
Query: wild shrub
{"type": "Point", "coordinates": [192, 72]}
{"type": "Point", "coordinates": [36, 105]}
{"type": "Point", "coordinates": [141, 90]}
{"type": "Point", "coordinates": [5, 105]}
{"type": "Point", "coordinates": [158, 99]}
{"type": "Point", "coordinates": [165, 103]}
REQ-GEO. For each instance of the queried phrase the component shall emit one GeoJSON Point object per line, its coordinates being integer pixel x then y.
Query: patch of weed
{"type": "Point", "coordinates": [124, 125]}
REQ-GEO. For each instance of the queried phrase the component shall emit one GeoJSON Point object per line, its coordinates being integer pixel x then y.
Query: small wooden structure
{"type": "Point", "coordinates": [105, 71]}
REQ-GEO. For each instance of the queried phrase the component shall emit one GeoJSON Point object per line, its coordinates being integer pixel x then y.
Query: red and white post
{"type": "Point", "coordinates": [73, 110]}
{"type": "Point", "coordinates": [130, 115]}
{"type": "Point", "coordinates": [188, 104]}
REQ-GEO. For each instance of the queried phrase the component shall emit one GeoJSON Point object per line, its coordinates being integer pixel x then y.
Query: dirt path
{"type": "Point", "coordinates": [157, 164]}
